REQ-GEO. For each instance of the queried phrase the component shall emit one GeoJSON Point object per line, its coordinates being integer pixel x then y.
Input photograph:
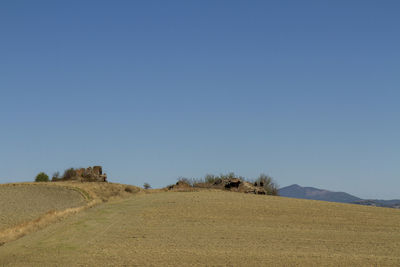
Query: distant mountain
{"type": "Point", "coordinates": [395, 203]}
{"type": "Point", "coordinates": [297, 191]}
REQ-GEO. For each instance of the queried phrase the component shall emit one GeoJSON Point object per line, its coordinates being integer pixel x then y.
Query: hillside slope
{"type": "Point", "coordinates": [214, 228]}
{"type": "Point", "coordinates": [27, 207]}
{"type": "Point", "coordinates": [20, 203]}
{"type": "Point", "coordinates": [296, 191]}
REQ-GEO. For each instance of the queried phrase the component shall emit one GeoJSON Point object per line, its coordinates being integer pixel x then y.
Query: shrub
{"type": "Point", "coordinates": [146, 186]}
{"type": "Point", "coordinates": [56, 177]}
{"type": "Point", "coordinates": [69, 173]}
{"type": "Point", "coordinates": [270, 186]}
{"type": "Point", "coordinates": [231, 175]}
{"type": "Point", "coordinates": [210, 178]}
{"type": "Point", "coordinates": [42, 177]}
{"type": "Point", "coordinates": [131, 189]}
{"type": "Point", "coordinates": [186, 180]}
{"type": "Point", "coordinates": [128, 189]}
{"type": "Point", "coordinates": [206, 182]}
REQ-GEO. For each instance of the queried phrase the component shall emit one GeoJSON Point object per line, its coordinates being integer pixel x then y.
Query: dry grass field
{"type": "Point", "coordinates": [20, 203]}
{"type": "Point", "coordinates": [214, 228]}
{"type": "Point", "coordinates": [28, 207]}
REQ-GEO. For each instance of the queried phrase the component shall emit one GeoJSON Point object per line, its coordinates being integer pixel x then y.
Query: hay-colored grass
{"type": "Point", "coordinates": [214, 229]}
{"type": "Point", "coordinates": [28, 207]}
{"type": "Point", "coordinates": [20, 203]}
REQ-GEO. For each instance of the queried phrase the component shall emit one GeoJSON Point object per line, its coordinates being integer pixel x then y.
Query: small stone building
{"type": "Point", "coordinates": [91, 174]}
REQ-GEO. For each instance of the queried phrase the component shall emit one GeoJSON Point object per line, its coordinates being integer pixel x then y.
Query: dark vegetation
{"type": "Point", "coordinates": [212, 181]}
{"type": "Point", "coordinates": [263, 184]}
{"type": "Point", "coordinates": [268, 183]}
{"type": "Point", "coordinates": [67, 175]}
{"type": "Point", "coordinates": [56, 176]}
{"type": "Point", "coordinates": [42, 177]}
{"type": "Point", "coordinates": [131, 189]}
{"type": "Point", "coordinates": [90, 174]}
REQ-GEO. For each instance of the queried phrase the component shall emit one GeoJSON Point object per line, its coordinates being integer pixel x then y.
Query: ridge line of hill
{"type": "Point", "coordinates": [297, 191]}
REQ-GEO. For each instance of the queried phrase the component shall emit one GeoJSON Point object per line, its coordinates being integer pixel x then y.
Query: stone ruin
{"type": "Point", "coordinates": [230, 184]}
{"type": "Point", "coordinates": [91, 174]}
{"type": "Point", "coordinates": [179, 185]}
{"type": "Point", "coordinates": [239, 185]}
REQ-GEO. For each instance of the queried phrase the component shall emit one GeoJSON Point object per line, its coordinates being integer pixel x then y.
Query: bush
{"type": "Point", "coordinates": [69, 173]}
{"type": "Point", "coordinates": [146, 186]}
{"type": "Point", "coordinates": [210, 178]}
{"type": "Point", "coordinates": [131, 189]}
{"type": "Point", "coordinates": [42, 177]}
{"type": "Point", "coordinates": [270, 186]}
{"type": "Point", "coordinates": [56, 177]}
{"type": "Point", "coordinates": [186, 180]}
{"type": "Point", "coordinates": [128, 189]}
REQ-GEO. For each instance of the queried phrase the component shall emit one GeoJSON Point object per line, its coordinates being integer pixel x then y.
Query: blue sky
{"type": "Point", "coordinates": [305, 91]}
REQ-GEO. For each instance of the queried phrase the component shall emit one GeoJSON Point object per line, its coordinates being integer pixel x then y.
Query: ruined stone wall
{"type": "Point", "coordinates": [90, 174]}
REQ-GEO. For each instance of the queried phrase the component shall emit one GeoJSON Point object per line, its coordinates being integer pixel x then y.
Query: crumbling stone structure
{"type": "Point", "coordinates": [91, 174]}
{"type": "Point", "coordinates": [230, 184]}
{"type": "Point", "coordinates": [179, 185]}
{"type": "Point", "coordinates": [236, 184]}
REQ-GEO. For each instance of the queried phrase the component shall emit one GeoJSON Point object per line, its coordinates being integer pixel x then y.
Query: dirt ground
{"type": "Point", "coordinates": [214, 229]}
{"type": "Point", "coordinates": [20, 203]}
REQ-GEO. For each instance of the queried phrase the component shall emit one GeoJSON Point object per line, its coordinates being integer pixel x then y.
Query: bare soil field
{"type": "Point", "coordinates": [215, 229]}
{"type": "Point", "coordinates": [20, 203]}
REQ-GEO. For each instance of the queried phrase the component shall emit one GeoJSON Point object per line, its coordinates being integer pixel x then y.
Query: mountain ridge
{"type": "Point", "coordinates": [297, 191]}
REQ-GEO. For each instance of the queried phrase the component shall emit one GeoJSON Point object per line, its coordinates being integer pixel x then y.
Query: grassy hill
{"type": "Point", "coordinates": [214, 228]}
{"type": "Point", "coordinates": [27, 207]}
{"type": "Point", "coordinates": [21, 203]}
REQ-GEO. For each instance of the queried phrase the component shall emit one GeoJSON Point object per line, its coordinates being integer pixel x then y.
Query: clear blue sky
{"type": "Point", "coordinates": [306, 91]}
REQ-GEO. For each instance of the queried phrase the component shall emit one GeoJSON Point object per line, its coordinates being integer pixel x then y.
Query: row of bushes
{"type": "Point", "coordinates": [68, 174]}
{"type": "Point", "coordinates": [266, 181]}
